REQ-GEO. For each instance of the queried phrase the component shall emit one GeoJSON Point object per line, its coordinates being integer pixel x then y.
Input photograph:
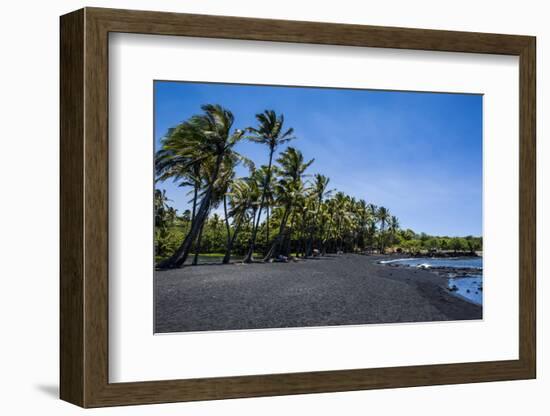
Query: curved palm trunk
{"type": "Point", "coordinates": [286, 245]}
{"type": "Point", "coordinates": [227, 257]}
{"type": "Point", "coordinates": [195, 193]}
{"type": "Point", "coordinates": [181, 254]}
{"type": "Point", "coordinates": [267, 226]}
{"type": "Point", "coordinates": [287, 238]}
{"type": "Point", "coordinates": [227, 227]}
{"type": "Point", "coordinates": [274, 250]}
{"type": "Point", "coordinates": [198, 247]}
{"type": "Point", "coordinates": [250, 255]}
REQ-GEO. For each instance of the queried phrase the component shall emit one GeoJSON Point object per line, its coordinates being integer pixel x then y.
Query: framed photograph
{"type": "Point", "coordinates": [256, 207]}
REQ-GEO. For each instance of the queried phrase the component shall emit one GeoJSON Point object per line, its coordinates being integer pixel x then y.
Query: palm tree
{"type": "Point", "coordinates": [393, 227]}
{"type": "Point", "coordinates": [341, 205]}
{"type": "Point", "coordinates": [242, 195]}
{"type": "Point", "coordinates": [165, 216]}
{"type": "Point", "coordinates": [302, 216]}
{"type": "Point", "coordinates": [161, 207]}
{"type": "Point", "coordinates": [226, 180]}
{"type": "Point", "coordinates": [265, 188]}
{"type": "Point", "coordinates": [179, 159]}
{"type": "Point", "coordinates": [327, 224]}
{"type": "Point", "coordinates": [266, 184]}
{"type": "Point", "coordinates": [225, 175]}
{"type": "Point", "coordinates": [269, 132]}
{"type": "Point", "coordinates": [287, 190]}
{"type": "Point", "coordinates": [363, 222]}
{"type": "Point", "coordinates": [320, 192]}
{"type": "Point", "coordinates": [371, 224]}
{"type": "Point", "coordinates": [212, 140]}
{"type": "Point", "coordinates": [383, 216]}
{"type": "Point", "coordinates": [353, 223]}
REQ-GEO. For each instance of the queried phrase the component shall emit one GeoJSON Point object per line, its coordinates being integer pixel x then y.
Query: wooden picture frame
{"type": "Point", "coordinates": [84, 207]}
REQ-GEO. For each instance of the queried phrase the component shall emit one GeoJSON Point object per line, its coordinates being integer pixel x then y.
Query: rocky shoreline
{"type": "Point", "coordinates": [440, 254]}
{"type": "Point", "coordinates": [445, 272]}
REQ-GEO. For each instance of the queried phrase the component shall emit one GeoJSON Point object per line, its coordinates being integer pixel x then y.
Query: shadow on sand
{"type": "Point", "coordinates": [239, 262]}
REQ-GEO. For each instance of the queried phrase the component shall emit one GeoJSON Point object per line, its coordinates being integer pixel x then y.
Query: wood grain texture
{"type": "Point", "coordinates": [162, 23]}
{"type": "Point", "coordinates": [527, 207]}
{"type": "Point", "coordinates": [71, 208]}
{"type": "Point", "coordinates": [96, 208]}
{"type": "Point", "coordinates": [84, 205]}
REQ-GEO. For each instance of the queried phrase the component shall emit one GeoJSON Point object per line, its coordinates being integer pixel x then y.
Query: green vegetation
{"type": "Point", "coordinates": [410, 242]}
{"type": "Point", "coordinates": [278, 209]}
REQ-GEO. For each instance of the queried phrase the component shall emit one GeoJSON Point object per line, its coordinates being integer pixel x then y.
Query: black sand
{"type": "Point", "coordinates": [333, 290]}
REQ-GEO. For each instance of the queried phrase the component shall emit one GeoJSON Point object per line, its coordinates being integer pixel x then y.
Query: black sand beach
{"type": "Point", "coordinates": [333, 290]}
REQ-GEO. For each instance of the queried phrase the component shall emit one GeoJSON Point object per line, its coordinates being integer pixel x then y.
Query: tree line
{"type": "Point", "coordinates": [278, 209]}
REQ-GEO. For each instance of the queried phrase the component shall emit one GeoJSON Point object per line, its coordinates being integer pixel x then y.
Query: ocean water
{"type": "Point", "coordinates": [469, 286]}
{"type": "Point", "coordinates": [453, 262]}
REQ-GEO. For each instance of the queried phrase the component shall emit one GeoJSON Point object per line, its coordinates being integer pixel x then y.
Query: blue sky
{"type": "Point", "coordinates": [418, 154]}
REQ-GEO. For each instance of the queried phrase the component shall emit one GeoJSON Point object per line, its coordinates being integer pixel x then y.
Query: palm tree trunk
{"type": "Point", "coordinates": [274, 249]}
{"type": "Point", "coordinates": [181, 254]}
{"type": "Point", "coordinates": [309, 248]}
{"type": "Point", "coordinates": [198, 247]}
{"type": "Point", "coordinates": [382, 237]}
{"type": "Point", "coordinates": [288, 234]}
{"type": "Point", "coordinates": [227, 257]}
{"type": "Point", "coordinates": [311, 239]}
{"type": "Point", "coordinates": [250, 255]}
{"type": "Point", "coordinates": [267, 226]}
{"type": "Point", "coordinates": [288, 247]}
{"type": "Point", "coordinates": [227, 228]}
{"type": "Point", "coordinates": [195, 193]}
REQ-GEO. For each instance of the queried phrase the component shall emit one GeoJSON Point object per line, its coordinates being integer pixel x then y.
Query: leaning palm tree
{"type": "Point", "coordinates": [180, 159]}
{"type": "Point", "coordinates": [212, 140]}
{"type": "Point", "coordinates": [319, 188]}
{"type": "Point", "coordinates": [225, 176]}
{"type": "Point", "coordinates": [269, 132]}
{"type": "Point", "coordinates": [288, 189]}
{"type": "Point", "coordinates": [242, 195]}
{"type": "Point", "coordinates": [225, 182]}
